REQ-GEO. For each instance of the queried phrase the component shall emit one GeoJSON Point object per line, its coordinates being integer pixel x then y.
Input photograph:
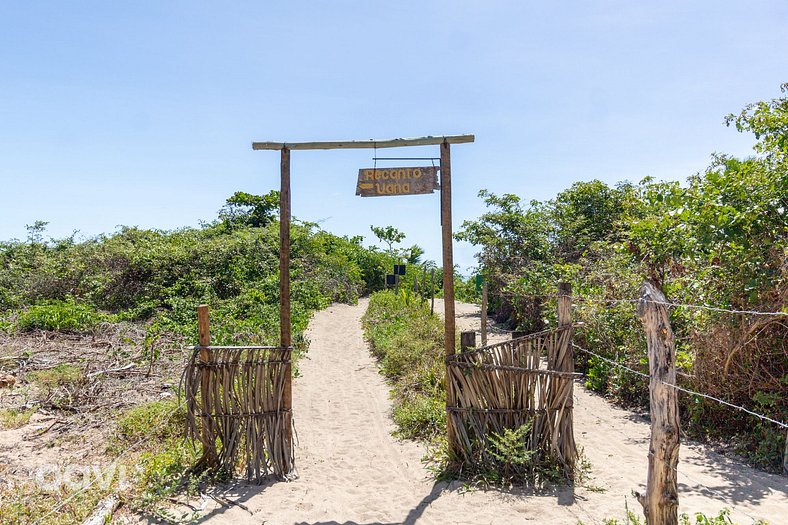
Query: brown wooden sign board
{"type": "Point", "coordinates": [381, 182]}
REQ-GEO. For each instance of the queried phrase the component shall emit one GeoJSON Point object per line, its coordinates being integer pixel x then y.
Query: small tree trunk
{"type": "Point", "coordinates": [661, 501]}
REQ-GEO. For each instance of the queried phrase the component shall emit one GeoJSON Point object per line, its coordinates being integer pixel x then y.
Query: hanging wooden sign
{"type": "Point", "coordinates": [381, 182]}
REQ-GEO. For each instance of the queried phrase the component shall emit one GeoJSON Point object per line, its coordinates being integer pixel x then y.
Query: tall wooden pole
{"type": "Point", "coordinates": [285, 335]}
{"type": "Point", "coordinates": [448, 290]}
{"type": "Point", "coordinates": [661, 501]}
{"type": "Point", "coordinates": [484, 314]}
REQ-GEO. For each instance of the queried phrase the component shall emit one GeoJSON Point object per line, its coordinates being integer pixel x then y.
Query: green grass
{"type": "Point", "coordinates": [722, 518]}
{"type": "Point", "coordinates": [60, 375]}
{"type": "Point", "coordinates": [161, 470]}
{"type": "Point", "coordinates": [408, 341]}
{"type": "Point", "coordinates": [11, 418]}
{"type": "Point", "coordinates": [65, 316]}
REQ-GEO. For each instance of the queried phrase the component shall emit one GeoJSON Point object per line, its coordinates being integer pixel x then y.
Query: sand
{"type": "Point", "coordinates": [352, 471]}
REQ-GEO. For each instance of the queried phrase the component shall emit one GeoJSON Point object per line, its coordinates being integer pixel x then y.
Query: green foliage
{"type": "Point", "coordinates": [389, 235]}
{"type": "Point", "coordinates": [720, 239]}
{"type": "Point", "coordinates": [245, 209]}
{"type": "Point", "coordinates": [65, 316]}
{"type": "Point", "coordinates": [722, 518]}
{"type": "Point", "coordinates": [508, 448]}
{"type": "Point", "coordinates": [409, 343]}
{"type": "Point", "coordinates": [163, 467]}
{"type": "Point", "coordinates": [159, 277]}
{"type": "Point", "coordinates": [13, 418]}
{"type": "Point", "coordinates": [57, 376]}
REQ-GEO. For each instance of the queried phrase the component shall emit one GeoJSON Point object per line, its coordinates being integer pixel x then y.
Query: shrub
{"type": "Point", "coordinates": [66, 316]}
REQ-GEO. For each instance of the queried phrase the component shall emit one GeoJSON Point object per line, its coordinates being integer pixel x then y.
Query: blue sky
{"type": "Point", "coordinates": [143, 113]}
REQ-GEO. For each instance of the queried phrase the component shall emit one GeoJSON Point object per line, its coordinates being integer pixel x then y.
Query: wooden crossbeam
{"type": "Point", "coordinates": [366, 144]}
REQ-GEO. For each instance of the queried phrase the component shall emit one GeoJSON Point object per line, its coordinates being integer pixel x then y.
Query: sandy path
{"type": "Point", "coordinates": [353, 472]}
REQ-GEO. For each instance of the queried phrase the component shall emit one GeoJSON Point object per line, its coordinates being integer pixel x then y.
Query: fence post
{"type": "Point", "coordinates": [484, 314]}
{"type": "Point", "coordinates": [661, 501]}
{"type": "Point", "coordinates": [564, 361]}
{"type": "Point", "coordinates": [210, 456]}
{"type": "Point", "coordinates": [432, 291]}
{"type": "Point", "coordinates": [467, 340]}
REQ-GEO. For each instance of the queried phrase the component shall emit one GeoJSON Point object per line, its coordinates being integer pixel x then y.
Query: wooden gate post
{"type": "Point", "coordinates": [210, 456]}
{"type": "Point", "coordinates": [484, 314]}
{"type": "Point", "coordinates": [432, 291]}
{"type": "Point", "coordinates": [448, 291]}
{"type": "Point", "coordinates": [661, 501]}
{"type": "Point", "coordinates": [285, 334]}
{"type": "Point", "coordinates": [564, 361]}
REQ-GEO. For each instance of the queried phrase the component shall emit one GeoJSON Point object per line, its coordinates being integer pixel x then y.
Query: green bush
{"type": "Point", "coordinates": [66, 316]}
{"type": "Point", "coordinates": [408, 341]}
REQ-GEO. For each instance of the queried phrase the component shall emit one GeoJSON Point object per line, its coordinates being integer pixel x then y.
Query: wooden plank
{"type": "Point", "coordinates": [661, 501]}
{"type": "Point", "coordinates": [285, 334]}
{"type": "Point", "coordinates": [366, 144]}
{"type": "Point", "coordinates": [386, 182]}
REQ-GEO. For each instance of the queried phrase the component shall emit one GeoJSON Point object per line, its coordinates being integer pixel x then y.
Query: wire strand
{"type": "Point", "coordinates": [692, 392]}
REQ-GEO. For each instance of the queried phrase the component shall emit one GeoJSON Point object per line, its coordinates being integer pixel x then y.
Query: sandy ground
{"type": "Point", "coordinates": [352, 471]}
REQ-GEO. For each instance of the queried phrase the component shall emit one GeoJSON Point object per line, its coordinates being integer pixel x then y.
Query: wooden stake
{"type": "Point", "coordinates": [661, 501]}
{"type": "Point", "coordinates": [484, 314]}
{"type": "Point", "coordinates": [210, 456]}
{"type": "Point", "coordinates": [564, 361]}
{"type": "Point", "coordinates": [448, 289]}
{"type": "Point", "coordinates": [432, 291]}
{"type": "Point", "coordinates": [285, 334]}
{"type": "Point", "coordinates": [467, 340]}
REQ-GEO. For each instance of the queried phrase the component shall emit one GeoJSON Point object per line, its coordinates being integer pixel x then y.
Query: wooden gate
{"type": "Point", "coordinates": [508, 385]}
{"type": "Point", "coordinates": [236, 406]}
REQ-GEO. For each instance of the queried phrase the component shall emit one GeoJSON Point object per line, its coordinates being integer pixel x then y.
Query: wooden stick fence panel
{"type": "Point", "coordinates": [505, 386]}
{"type": "Point", "coordinates": [236, 408]}
{"type": "Point", "coordinates": [660, 503]}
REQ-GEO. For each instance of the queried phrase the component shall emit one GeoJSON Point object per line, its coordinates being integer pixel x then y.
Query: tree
{"type": "Point", "coordinates": [250, 210]}
{"type": "Point", "coordinates": [389, 235]}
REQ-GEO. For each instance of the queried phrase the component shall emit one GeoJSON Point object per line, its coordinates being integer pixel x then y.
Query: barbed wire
{"type": "Point", "coordinates": [691, 392]}
{"type": "Point", "coordinates": [586, 299]}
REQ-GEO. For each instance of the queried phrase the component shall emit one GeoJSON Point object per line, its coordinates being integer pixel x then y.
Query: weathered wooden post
{"type": "Point", "coordinates": [210, 457]}
{"type": "Point", "coordinates": [467, 340]}
{"type": "Point", "coordinates": [563, 361]}
{"type": "Point", "coordinates": [432, 291]}
{"type": "Point", "coordinates": [285, 334]}
{"type": "Point", "coordinates": [661, 501]}
{"type": "Point", "coordinates": [448, 291]}
{"type": "Point", "coordinates": [484, 314]}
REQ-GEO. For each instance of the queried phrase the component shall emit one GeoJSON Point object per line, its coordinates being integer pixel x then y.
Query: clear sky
{"type": "Point", "coordinates": [143, 113]}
